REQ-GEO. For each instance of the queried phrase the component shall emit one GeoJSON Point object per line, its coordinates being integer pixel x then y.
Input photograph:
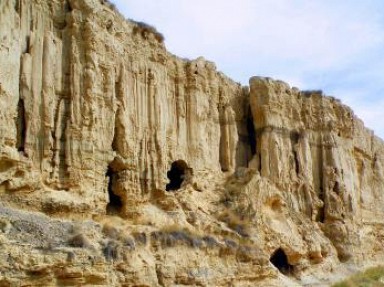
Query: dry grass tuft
{"type": "Point", "coordinates": [109, 4]}
{"type": "Point", "coordinates": [80, 240]}
{"type": "Point", "coordinates": [174, 235]}
{"type": "Point", "coordinates": [145, 30]}
{"type": "Point", "coordinates": [110, 231]}
{"type": "Point", "coordinates": [372, 277]}
{"type": "Point", "coordinates": [234, 222]}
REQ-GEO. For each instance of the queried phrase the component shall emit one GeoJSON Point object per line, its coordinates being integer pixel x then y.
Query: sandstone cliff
{"type": "Point", "coordinates": [153, 170]}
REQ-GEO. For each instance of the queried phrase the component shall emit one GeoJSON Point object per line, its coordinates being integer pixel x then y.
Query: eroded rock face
{"type": "Point", "coordinates": [85, 91]}
{"type": "Point", "coordinates": [214, 183]}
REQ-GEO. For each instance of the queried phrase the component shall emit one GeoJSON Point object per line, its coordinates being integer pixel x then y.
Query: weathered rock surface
{"type": "Point", "coordinates": [158, 171]}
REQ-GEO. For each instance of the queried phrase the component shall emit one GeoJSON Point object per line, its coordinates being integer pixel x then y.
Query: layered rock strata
{"type": "Point", "coordinates": [185, 177]}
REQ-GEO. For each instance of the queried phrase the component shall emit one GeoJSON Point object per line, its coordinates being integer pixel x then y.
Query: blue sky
{"type": "Point", "coordinates": [333, 45]}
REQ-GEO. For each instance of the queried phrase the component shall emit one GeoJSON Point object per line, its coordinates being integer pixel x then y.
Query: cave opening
{"type": "Point", "coordinates": [251, 133]}
{"type": "Point", "coordinates": [115, 203]}
{"type": "Point", "coordinates": [280, 260]}
{"type": "Point", "coordinates": [21, 126]}
{"type": "Point", "coordinates": [176, 175]}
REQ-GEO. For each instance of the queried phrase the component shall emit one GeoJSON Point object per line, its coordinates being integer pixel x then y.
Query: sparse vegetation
{"type": "Point", "coordinates": [112, 250]}
{"type": "Point", "coordinates": [140, 238]}
{"type": "Point", "coordinates": [230, 243]}
{"type": "Point", "coordinates": [173, 238]}
{"type": "Point", "coordinates": [173, 235]}
{"type": "Point", "coordinates": [5, 226]}
{"type": "Point", "coordinates": [309, 93]}
{"type": "Point", "coordinates": [109, 4]}
{"type": "Point", "coordinates": [372, 277]}
{"type": "Point", "coordinates": [210, 241]}
{"type": "Point", "coordinates": [117, 242]}
{"type": "Point", "coordinates": [145, 29]}
{"type": "Point", "coordinates": [110, 231]}
{"type": "Point", "coordinates": [127, 241]}
{"type": "Point", "coordinates": [234, 222]}
{"type": "Point", "coordinates": [79, 240]}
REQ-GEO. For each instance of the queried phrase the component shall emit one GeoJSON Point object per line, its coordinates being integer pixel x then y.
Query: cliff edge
{"type": "Point", "coordinates": [124, 165]}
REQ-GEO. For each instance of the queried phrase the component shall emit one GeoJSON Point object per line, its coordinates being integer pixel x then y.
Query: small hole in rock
{"type": "Point", "coordinates": [277, 205]}
{"type": "Point", "coordinates": [280, 260]}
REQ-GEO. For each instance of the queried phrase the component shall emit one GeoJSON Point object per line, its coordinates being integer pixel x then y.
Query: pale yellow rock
{"type": "Point", "coordinates": [176, 175]}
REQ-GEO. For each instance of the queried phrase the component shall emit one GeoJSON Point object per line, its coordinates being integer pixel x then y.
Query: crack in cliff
{"type": "Point", "coordinates": [251, 133]}
{"type": "Point", "coordinates": [59, 153]}
{"type": "Point", "coordinates": [321, 215]}
{"type": "Point", "coordinates": [295, 136]}
{"type": "Point", "coordinates": [21, 126]}
{"type": "Point", "coordinates": [159, 108]}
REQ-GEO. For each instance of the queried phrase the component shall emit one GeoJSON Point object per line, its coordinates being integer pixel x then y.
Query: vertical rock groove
{"type": "Point", "coordinates": [21, 126]}
{"type": "Point", "coordinates": [98, 120]}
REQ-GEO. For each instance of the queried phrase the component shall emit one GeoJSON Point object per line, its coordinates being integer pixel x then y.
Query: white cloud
{"type": "Point", "coordinates": [320, 44]}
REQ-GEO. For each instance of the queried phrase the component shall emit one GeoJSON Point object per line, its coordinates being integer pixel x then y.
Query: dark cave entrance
{"type": "Point", "coordinates": [280, 260]}
{"type": "Point", "coordinates": [177, 174]}
{"type": "Point", "coordinates": [115, 203]}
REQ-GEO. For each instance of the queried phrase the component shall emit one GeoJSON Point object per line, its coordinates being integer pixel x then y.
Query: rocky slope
{"type": "Point", "coordinates": [124, 165]}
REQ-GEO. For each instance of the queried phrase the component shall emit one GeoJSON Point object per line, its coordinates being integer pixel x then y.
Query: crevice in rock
{"type": "Point", "coordinates": [296, 160]}
{"type": "Point", "coordinates": [67, 6]}
{"type": "Point", "coordinates": [178, 173]}
{"type": "Point", "coordinates": [251, 133]}
{"type": "Point", "coordinates": [21, 126]}
{"type": "Point", "coordinates": [63, 154]}
{"type": "Point", "coordinates": [321, 212]}
{"type": "Point", "coordinates": [118, 131]}
{"type": "Point", "coordinates": [321, 193]}
{"type": "Point", "coordinates": [114, 140]}
{"type": "Point", "coordinates": [115, 203]}
{"type": "Point", "coordinates": [295, 136]}
{"type": "Point", "coordinates": [28, 45]}
{"type": "Point", "coordinates": [280, 260]}
{"type": "Point", "coordinates": [224, 139]}
{"type": "Point", "coordinates": [17, 6]}
{"type": "Point", "coordinates": [336, 188]}
{"type": "Point", "coordinates": [59, 139]}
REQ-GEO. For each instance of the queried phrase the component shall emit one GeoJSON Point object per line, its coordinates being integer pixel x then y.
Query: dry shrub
{"type": "Point", "coordinates": [234, 222]}
{"type": "Point", "coordinates": [127, 240]}
{"type": "Point", "coordinates": [145, 29]}
{"type": "Point", "coordinates": [110, 231]}
{"type": "Point", "coordinates": [140, 238]}
{"type": "Point", "coordinates": [80, 241]}
{"type": "Point", "coordinates": [112, 250]}
{"type": "Point", "coordinates": [173, 235]}
{"type": "Point", "coordinates": [210, 241]}
{"type": "Point", "coordinates": [370, 277]}
{"type": "Point", "coordinates": [109, 4]}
